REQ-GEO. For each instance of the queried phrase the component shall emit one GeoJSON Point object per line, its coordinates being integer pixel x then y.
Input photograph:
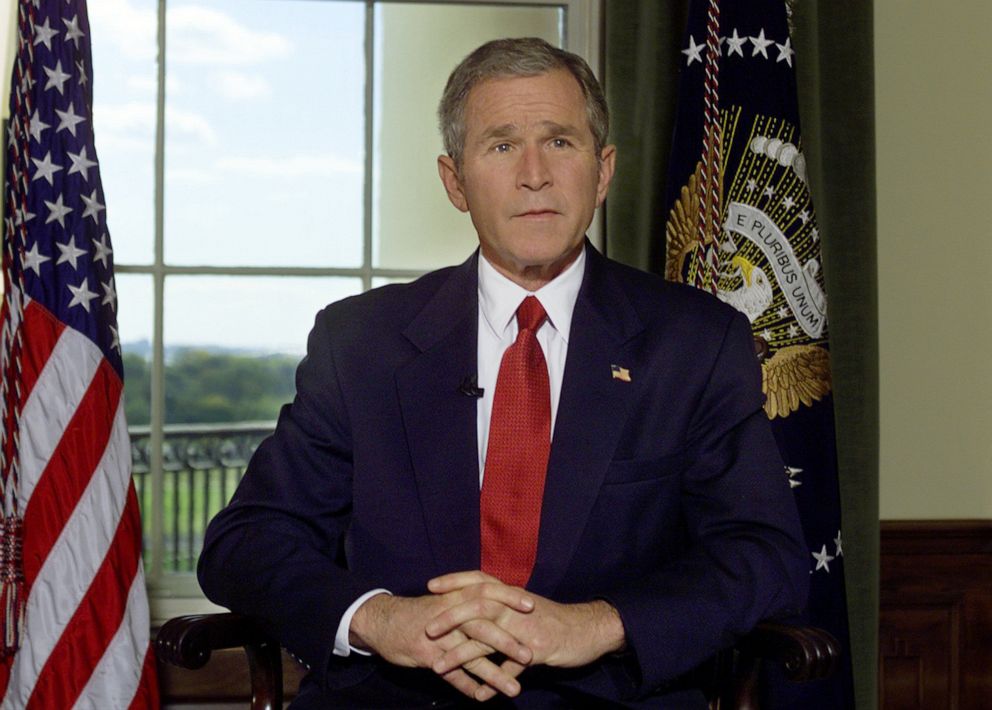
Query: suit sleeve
{"type": "Point", "coordinates": [275, 552]}
{"type": "Point", "coordinates": [745, 559]}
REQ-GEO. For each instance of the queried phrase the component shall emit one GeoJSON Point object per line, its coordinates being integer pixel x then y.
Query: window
{"type": "Point", "coordinates": [280, 158]}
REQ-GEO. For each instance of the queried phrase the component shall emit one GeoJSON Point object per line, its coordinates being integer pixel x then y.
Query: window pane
{"type": "Point", "coordinates": [416, 47]}
{"type": "Point", "coordinates": [124, 95]}
{"type": "Point", "coordinates": [134, 317]}
{"type": "Point", "coordinates": [218, 328]}
{"type": "Point", "coordinates": [264, 156]}
{"type": "Point", "coordinates": [232, 345]}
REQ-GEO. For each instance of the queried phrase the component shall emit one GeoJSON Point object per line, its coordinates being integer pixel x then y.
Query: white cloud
{"type": "Point", "coordinates": [131, 29]}
{"type": "Point", "coordinates": [130, 118]}
{"type": "Point", "coordinates": [190, 175]}
{"type": "Point", "coordinates": [136, 119]}
{"type": "Point", "coordinates": [202, 35]}
{"type": "Point", "coordinates": [189, 124]}
{"type": "Point", "coordinates": [239, 85]}
{"type": "Point", "coordinates": [149, 85]}
{"type": "Point", "coordinates": [294, 166]}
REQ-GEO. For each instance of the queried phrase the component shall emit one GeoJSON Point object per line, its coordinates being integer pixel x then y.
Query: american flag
{"type": "Point", "coordinates": [72, 603]}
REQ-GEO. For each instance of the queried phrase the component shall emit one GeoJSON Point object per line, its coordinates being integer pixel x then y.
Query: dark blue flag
{"type": "Point", "coordinates": [741, 224]}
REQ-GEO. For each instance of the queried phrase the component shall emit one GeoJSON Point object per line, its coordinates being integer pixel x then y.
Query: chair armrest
{"type": "Point", "coordinates": [806, 652]}
{"type": "Point", "coordinates": [188, 641]}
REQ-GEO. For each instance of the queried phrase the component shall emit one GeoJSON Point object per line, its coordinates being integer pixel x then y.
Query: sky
{"type": "Point", "coordinates": [264, 158]}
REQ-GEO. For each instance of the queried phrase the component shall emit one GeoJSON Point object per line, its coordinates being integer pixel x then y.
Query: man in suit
{"type": "Point", "coordinates": [539, 478]}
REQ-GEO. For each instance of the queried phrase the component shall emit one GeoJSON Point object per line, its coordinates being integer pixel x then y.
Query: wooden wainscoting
{"type": "Point", "coordinates": [935, 622]}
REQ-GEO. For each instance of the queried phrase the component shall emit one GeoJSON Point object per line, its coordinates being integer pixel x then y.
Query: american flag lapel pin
{"type": "Point", "coordinates": [620, 373]}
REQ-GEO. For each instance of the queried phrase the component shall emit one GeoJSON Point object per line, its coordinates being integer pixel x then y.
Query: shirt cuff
{"type": "Point", "coordinates": [341, 645]}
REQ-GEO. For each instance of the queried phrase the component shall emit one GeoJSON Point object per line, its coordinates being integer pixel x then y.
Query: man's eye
{"type": "Point", "coordinates": [502, 147]}
{"type": "Point", "coordinates": [560, 143]}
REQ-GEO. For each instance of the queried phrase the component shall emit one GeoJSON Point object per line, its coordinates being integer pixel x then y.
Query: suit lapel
{"type": "Point", "coordinates": [440, 420]}
{"type": "Point", "coordinates": [592, 410]}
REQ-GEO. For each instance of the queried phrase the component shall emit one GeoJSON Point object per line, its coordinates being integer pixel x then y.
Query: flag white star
{"type": "Point", "coordinates": [81, 295]}
{"type": "Point", "coordinates": [752, 185]}
{"type": "Point", "coordinates": [81, 68]}
{"type": "Point", "coordinates": [56, 77]}
{"type": "Point", "coordinates": [80, 163]}
{"type": "Point", "coordinates": [840, 546]}
{"type": "Point", "coordinates": [768, 192]}
{"type": "Point", "coordinates": [37, 126]}
{"type": "Point", "coordinates": [783, 312]}
{"type": "Point", "coordinates": [33, 259]}
{"type": "Point", "coordinates": [785, 51]}
{"type": "Point", "coordinates": [115, 339]}
{"type": "Point", "coordinates": [109, 294]}
{"type": "Point", "coordinates": [103, 250]}
{"type": "Point", "coordinates": [793, 330]}
{"type": "Point", "coordinates": [93, 207]}
{"type": "Point", "coordinates": [69, 253]}
{"type": "Point", "coordinates": [823, 560]}
{"type": "Point", "coordinates": [12, 136]}
{"type": "Point", "coordinates": [766, 334]}
{"type": "Point", "coordinates": [815, 233]}
{"type": "Point", "coordinates": [72, 31]}
{"type": "Point", "coordinates": [735, 44]}
{"type": "Point", "coordinates": [792, 472]}
{"type": "Point", "coordinates": [788, 203]}
{"type": "Point", "coordinates": [45, 168]}
{"type": "Point", "coordinates": [693, 52]}
{"type": "Point", "coordinates": [43, 35]}
{"type": "Point", "coordinates": [22, 215]}
{"type": "Point", "coordinates": [57, 211]}
{"type": "Point", "coordinates": [804, 216]}
{"type": "Point", "coordinates": [69, 119]}
{"type": "Point", "coordinates": [27, 83]}
{"type": "Point", "coordinates": [760, 44]}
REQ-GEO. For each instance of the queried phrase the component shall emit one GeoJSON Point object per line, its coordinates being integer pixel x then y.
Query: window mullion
{"type": "Point", "coordinates": [157, 415]}
{"type": "Point", "coordinates": [369, 124]}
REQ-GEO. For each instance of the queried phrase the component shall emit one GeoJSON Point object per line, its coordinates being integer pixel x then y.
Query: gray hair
{"type": "Point", "coordinates": [516, 57]}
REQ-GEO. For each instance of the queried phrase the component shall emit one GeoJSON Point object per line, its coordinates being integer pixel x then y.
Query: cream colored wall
{"type": "Point", "coordinates": [933, 92]}
{"type": "Point", "coordinates": [8, 21]}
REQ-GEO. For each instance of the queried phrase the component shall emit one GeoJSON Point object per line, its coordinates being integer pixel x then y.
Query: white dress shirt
{"type": "Point", "coordinates": [499, 298]}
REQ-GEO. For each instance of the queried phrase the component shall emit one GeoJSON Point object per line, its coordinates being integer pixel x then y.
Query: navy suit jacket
{"type": "Point", "coordinates": [665, 495]}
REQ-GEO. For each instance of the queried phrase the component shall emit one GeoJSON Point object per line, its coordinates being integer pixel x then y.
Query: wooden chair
{"type": "Point", "coordinates": [803, 652]}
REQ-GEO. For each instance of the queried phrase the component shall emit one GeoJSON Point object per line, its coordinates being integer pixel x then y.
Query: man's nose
{"type": "Point", "coordinates": [534, 171]}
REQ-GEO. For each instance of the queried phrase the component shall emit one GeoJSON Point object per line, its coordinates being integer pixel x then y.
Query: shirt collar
{"type": "Point", "coordinates": [499, 297]}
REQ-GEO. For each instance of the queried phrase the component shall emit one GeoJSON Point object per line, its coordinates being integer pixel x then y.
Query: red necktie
{"type": "Point", "coordinates": [517, 455]}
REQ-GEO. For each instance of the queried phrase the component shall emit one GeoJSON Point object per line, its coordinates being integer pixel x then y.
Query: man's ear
{"type": "Point", "coordinates": [607, 164]}
{"type": "Point", "coordinates": [448, 171]}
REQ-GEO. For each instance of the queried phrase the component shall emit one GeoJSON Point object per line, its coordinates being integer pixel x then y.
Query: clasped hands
{"type": "Point", "coordinates": [470, 616]}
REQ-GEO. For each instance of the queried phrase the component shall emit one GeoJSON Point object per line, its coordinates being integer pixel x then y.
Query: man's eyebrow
{"type": "Point", "coordinates": [503, 131]}
{"type": "Point", "coordinates": [559, 129]}
{"type": "Point", "coordinates": [508, 130]}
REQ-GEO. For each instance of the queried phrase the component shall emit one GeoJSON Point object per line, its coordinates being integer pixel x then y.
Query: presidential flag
{"type": "Point", "coordinates": [72, 593]}
{"type": "Point", "coordinates": [741, 225]}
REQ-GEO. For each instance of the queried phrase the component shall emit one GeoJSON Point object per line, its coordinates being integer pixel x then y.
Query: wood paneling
{"type": "Point", "coordinates": [935, 621]}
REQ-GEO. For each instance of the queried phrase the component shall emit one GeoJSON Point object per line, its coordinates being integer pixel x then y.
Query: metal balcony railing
{"type": "Point", "coordinates": [202, 465]}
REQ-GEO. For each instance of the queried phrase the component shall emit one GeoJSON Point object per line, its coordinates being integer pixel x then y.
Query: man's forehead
{"type": "Point", "coordinates": [506, 105]}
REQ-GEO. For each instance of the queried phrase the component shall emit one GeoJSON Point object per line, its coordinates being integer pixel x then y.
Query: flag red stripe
{"type": "Point", "coordinates": [96, 620]}
{"type": "Point", "coordinates": [40, 330]}
{"type": "Point", "coordinates": [70, 469]}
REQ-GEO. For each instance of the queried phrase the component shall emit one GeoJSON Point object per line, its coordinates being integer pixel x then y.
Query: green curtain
{"type": "Point", "coordinates": [833, 42]}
